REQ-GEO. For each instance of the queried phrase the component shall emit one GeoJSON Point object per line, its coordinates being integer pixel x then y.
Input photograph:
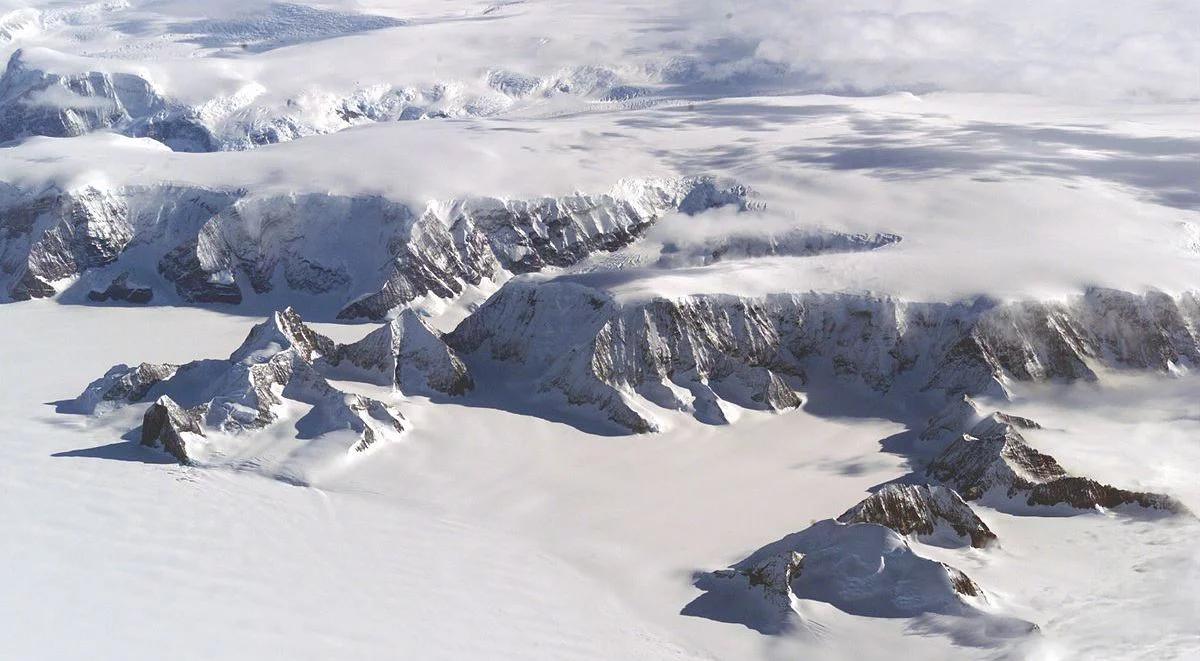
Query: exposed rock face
{"type": "Point", "coordinates": [406, 354]}
{"type": "Point", "coordinates": [684, 355]}
{"type": "Point", "coordinates": [796, 243]}
{"type": "Point", "coordinates": [960, 414]}
{"type": "Point", "coordinates": [994, 458]}
{"type": "Point", "coordinates": [171, 428]}
{"type": "Point", "coordinates": [470, 240]}
{"type": "Point", "coordinates": [273, 365]}
{"type": "Point", "coordinates": [58, 236]}
{"type": "Point", "coordinates": [121, 385]}
{"type": "Point", "coordinates": [284, 330]}
{"type": "Point", "coordinates": [624, 357]}
{"type": "Point", "coordinates": [930, 512]}
{"type": "Point", "coordinates": [212, 246]}
{"type": "Point", "coordinates": [120, 289]}
{"type": "Point", "coordinates": [38, 102]}
{"type": "Point", "coordinates": [861, 568]}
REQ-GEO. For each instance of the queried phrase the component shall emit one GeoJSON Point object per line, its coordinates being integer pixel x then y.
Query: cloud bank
{"type": "Point", "coordinates": [1091, 49]}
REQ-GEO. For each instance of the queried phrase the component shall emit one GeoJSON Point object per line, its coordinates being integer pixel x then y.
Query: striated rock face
{"type": "Point", "coordinates": [947, 425]}
{"type": "Point", "coordinates": [171, 428]}
{"type": "Point", "coordinates": [468, 241]}
{"type": "Point", "coordinates": [933, 513]}
{"type": "Point", "coordinates": [861, 568]}
{"type": "Point", "coordinates": [404, 353]}
{"type": "Point", "coordinates": [366, 255]}
{"type": "Point", "coordinates": [34, 101]}
{"type": "Point", "coordinates": [284, 330]}
{"type": "Point", "coordinates": [58, 236]}
{"type": "Point", "coordinates": [120, 385]}
{"type": "Point", "coordinates": [994, 458]}
{"type": "Point", "coordinates": [272, 367]}
{"type": "Point", "coordinates": [627, 356]}
{"type": "Point", "coordinates": [685, 355]}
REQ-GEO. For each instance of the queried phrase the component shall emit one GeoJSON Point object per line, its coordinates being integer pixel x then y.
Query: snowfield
{"type": "Point", "coordinates": [563, 329]}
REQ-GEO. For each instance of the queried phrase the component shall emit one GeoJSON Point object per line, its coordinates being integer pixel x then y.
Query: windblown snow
{"type": "Point", "coordinates": [568, 329]}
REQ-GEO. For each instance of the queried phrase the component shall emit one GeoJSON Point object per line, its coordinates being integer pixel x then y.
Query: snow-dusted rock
{"type": "Point", "coordinates": [861, 568]}
{"type": "Point", "coordinates": [957, 416]}
{"type": "Point", "coordinates": [932, 513]}
{"type": "Point", "coordinates": [684, 355]}
{"type": "Point", "coordinates": [34, 101]}
{"type": "Point", "coordinates": [283, 330]}
{"type": "Point", "coordinates": [994, 459]}
{"type": "Point", "coordinates": [404, 353]}
{"type": "Point", "coordinates": [627, 355]}
{"type": "Point", "coordinates": [48, 93]}
{"type": "Point", "coordinates": [272, 369]}
{"type": "Point", "coordinates": [466, 241]}
{"type": "Point", "coordinates": [365, 255]}
{"type": "Point", "coordinates": [121, 385]}
{"type": "Point", "coordinates": [171, 428]}
{"type": "Point", "coordinates": [57, 236]}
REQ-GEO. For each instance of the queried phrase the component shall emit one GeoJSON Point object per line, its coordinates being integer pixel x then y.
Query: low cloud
{"type": "Point", "coordinates": [58, 97]}
{"type": "Point", "coordinates": [1094, 49]}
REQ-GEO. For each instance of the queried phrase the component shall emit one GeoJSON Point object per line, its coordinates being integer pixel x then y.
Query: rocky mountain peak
{"type": "Point", "coordinates": [283, 330]}
{"type": "Point", "coordinates": [171, 428]}
{"type": "Point", "coordinates": [404, 353]}
{"type": "Point", "coordinates": [994, 460]}
{"type": "Point", "coordinates": [932, 513]}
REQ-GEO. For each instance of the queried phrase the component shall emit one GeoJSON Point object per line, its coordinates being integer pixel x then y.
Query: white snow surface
{"type": "Point", "coordinates": [909, 150]}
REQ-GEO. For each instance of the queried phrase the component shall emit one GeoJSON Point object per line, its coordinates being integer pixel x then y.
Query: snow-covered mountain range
{"type": "Point", "coordinates": [547, 317]}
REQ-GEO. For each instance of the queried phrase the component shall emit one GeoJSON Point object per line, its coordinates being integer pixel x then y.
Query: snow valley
{"type": "Point", "coordinates": [599, 330]}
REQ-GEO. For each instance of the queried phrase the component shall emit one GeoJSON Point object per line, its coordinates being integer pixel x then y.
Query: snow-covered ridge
{"type": "Point", "coordinates": [45, 93]}
{"type": "Point", "coordinates": [247, 392]}
{"type": "Point", "coordinates": [934, 513]}
{"type": "Point", "coordinates": [993, 461]}
{"type": "Point", "coordinates": [204, 411]}
{"type": "Point", "coordinates": [861, 568]}
{"type": "Point", "coordinates": [691, 353]}
{"type": "Point", "coordinates": [404, 353]}
{"type": "Point", "coordinates": [363, 256]}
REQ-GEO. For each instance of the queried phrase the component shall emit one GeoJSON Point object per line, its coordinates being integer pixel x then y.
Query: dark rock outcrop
{"type": "Point", "coordinates": [474, 239]}
{"type": "Point", "coordinates": [121, 385]}
{"type": "Point", "coordinates": [404, 353]}
{"type": "Point", "coordinates": [244, 393]}
{"type": "Point", "coordinates": [121, 290]}
{"type": "Point", "coordinates": [169, 427]}
{"type": "Point", "coordinates": [994, 458]}
{"type": "Point", "coordinates": [626, 355]}
{"type": "Point", "coordinates": [365, 255]}
{"type": "Point", "coordinates": [924, 511]}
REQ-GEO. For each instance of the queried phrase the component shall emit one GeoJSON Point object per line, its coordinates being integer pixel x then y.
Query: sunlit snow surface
{"type": "Point", "coordinates": [967, 155]}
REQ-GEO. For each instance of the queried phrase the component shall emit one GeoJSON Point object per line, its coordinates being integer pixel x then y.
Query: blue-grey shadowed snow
{"type": "Point", "coordinates": [277, 25]}
{"type": "Point", "coordinates": [499, 387]}
{"type": "Point", "coordinates": [1165, 170]}
{"type": "Point", "coordinates": [863, 569]}
{"type": "Point", "coordinates": [121, 451]}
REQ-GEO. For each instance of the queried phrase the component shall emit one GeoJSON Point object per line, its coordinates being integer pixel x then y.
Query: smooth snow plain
{"type": "Point", "coordinates": [492, 533]}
